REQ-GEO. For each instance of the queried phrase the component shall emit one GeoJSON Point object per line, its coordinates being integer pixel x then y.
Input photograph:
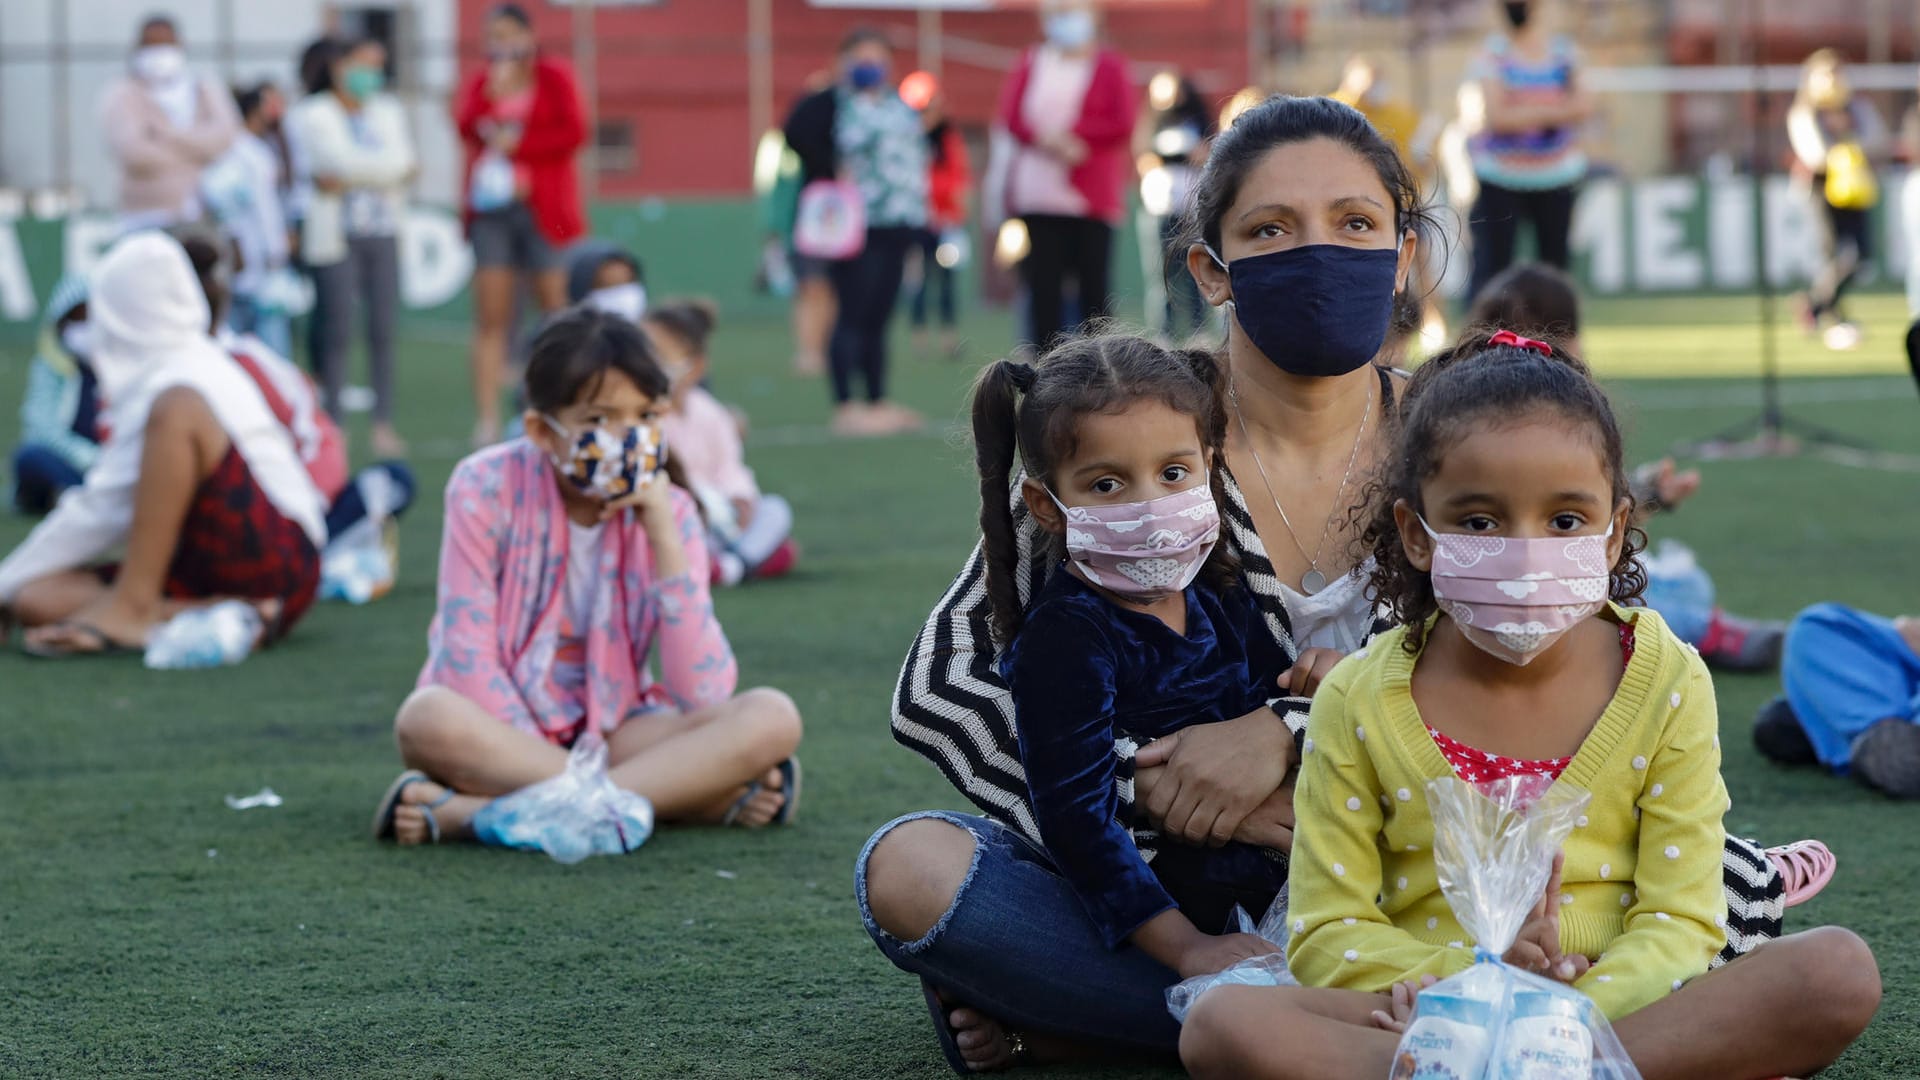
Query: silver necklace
{"type": "Point", "coordinates": [1313, 580]}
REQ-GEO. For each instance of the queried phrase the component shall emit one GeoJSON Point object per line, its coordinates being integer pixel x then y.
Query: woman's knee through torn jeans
{"type": "Point", "coordinates": [1017, 945]}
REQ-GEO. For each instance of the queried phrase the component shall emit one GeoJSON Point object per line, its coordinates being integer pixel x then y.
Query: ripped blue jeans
{"type": "Point", "coordinates": [1017, 945]}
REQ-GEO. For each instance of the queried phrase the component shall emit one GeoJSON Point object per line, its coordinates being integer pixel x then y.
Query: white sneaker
{"type": "Point", "coordinates": [1841, 337]}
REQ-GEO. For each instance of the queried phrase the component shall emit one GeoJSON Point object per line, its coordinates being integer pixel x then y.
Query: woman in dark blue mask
{"type": "Point", "coordinates": [1317, 220]}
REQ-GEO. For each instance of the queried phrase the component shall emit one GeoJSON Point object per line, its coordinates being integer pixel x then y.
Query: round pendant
{"type": "Point", "coordinates": [1312, 582]}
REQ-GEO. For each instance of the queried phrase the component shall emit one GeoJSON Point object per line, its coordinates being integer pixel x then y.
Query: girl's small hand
{"type": "Point", "coordinates": [1216, 953]}
{"type": "Point", "coordinates": [1674, 487]}
{"type": "Point", "coordinates": [649, 500]}
{"type": "Point", "coordinates": [1537, 949]}
{"type": "Point", "coordinates": [1404, 999]}
{"type": "Point", "coordinates": [1306, 674]}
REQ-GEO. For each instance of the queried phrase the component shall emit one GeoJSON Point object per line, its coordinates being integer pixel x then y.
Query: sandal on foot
{"type": "Point", "coordinates": [391, 802]}
{"type": "Point", "coordinates": [790, 789]}
{"type": "Point", "coordinates": [732, 816]}
{"type": "Point", "coordinates": [943, 1029]}
{"type": "Point", "coordinates": [790, 776]}
{"type": "Point", "coordinates": [1806, 866]}
{"type": "Point", "coordinates": [106, 645]}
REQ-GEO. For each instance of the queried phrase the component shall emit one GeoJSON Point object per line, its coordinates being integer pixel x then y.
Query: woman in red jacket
{"type": "Point", "coordinates": [522, 122]}
{"type": "Point", "coordinates": [1069, 106]}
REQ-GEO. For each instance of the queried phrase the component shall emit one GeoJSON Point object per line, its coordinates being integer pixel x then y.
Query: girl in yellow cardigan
{"type": "Point", "coordinates": [1504, 546]}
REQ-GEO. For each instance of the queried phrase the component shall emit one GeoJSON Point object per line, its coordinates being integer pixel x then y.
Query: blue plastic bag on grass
{"type": "Point", "coordinates": [1493, 846]}
{"type": "Point", "coordinates": [579, 813]}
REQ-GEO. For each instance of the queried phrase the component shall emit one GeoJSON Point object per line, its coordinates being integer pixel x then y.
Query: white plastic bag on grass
{"type": "Point", "coordinates": [1494, 846]}
{"type": "Point", "coordinates": [579, 813]}
{"type": "Point", "coordinates": [1267, 970]}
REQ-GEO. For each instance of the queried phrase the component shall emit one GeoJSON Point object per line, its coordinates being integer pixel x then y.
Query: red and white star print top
{"type": "Point", "coordinates": [1478, 767]}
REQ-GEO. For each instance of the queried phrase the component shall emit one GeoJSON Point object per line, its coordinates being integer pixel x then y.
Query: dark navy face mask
{"type": "Point", "coordinates": [1318, 310]}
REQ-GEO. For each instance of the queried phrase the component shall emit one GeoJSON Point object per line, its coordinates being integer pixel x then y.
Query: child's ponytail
{"type": "Point", "coordinates": [996, 417]}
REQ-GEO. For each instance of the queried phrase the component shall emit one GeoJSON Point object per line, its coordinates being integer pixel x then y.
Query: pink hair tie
{"type": "Point", "coordinates": [1508, 337]}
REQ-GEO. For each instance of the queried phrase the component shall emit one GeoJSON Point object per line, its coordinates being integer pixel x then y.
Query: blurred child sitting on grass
{"type": "Point", "coordinates": [751, 532]}
{"type": "Point", "coordinates": [59, 416]}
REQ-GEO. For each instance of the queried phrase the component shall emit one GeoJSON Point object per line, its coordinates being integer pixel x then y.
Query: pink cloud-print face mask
{"type": "Point", "coordinates": [1143, 550]}
{"type": "Point", "coordinates": [1515, 597]}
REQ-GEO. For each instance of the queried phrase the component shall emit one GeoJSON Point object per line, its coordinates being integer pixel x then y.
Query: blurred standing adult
{"type": "Point", "coordinates": [246, 191]}
{"type": "Point", "coordinates": [1393, 116]}
{"type": "Point", "coordinates": [523, 125]}
{"type": "Point", "coordinates": [316, 74]}
{"type": "Point", "coordinates": [1526, 106]}
{"type": "Point", "coordinates": [1910, 215]}
{"type": "Point", "coordinates": [362, 158]}
{"type": "Point", "coordinates": [809, 134]}
{"type": "Point", "coordinates": [164, 126]}
{"type": "Point", "coordinates": [1836, 136]}
{"type": "Point", "coordinates": [1069, 105]}
{"type": "Point", "coordinates": [1170, 148]}
{"type": "Point", "coordinates": [944, 243]}
{"type": "Point", "coordinates": [882, 151]}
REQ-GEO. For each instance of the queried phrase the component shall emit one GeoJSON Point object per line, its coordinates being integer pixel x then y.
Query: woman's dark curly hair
{"type": "Point", "coordinates": [1025, 415]}
{"type": "Point", "coordinates": [1470, 384]}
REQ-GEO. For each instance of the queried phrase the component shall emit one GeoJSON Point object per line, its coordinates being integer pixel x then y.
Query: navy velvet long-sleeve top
{"type": "Point", "coordinates": [1085, 672]}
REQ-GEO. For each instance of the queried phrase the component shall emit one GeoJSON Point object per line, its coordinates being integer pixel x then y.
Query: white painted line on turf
{"type": "Point", "coordinates": [1791, 393]}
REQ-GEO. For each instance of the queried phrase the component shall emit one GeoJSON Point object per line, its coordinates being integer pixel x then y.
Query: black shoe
{"type": "Point", "coordinates": [1780, 738]}
{"type": "Point", "coordinates": [1913, 350]}
{"type": "Point", "coordinates": [1887, 756]}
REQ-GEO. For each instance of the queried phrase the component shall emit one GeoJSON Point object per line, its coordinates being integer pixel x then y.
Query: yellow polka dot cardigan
{"type": "Point", "coordinates": [1641, 891]}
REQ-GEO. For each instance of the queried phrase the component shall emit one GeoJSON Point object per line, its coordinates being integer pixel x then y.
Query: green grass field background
{"type": "Point", "coordinates": [147, 930]}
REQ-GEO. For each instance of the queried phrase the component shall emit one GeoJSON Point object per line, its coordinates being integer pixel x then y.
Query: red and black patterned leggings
{"type": "Point", "coordinates": [236, 543]}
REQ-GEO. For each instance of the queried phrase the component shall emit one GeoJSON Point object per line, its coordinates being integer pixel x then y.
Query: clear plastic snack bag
{"type": "Point", "coordinates": [579, 813]}
{"type": "Point", "coordinates": [1494, 846]}
{"type": "Point", "coordinates": [1268, 970]}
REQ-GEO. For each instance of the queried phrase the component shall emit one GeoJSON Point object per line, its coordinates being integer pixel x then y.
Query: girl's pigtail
{"type": "Point", "coordinates": [995, 450]}
{"type": "Point", "coordinates": [1222, 569]}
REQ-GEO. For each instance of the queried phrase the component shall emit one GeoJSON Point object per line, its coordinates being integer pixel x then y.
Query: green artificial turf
{"type": "Point", "coordinates": [146, 929]}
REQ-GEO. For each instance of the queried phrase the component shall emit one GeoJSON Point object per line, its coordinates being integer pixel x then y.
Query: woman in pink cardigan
{"type": "Point", "coordinates": [164, 125]}
{"type": "Point", "coordinates": [570, 561]}
{"type": "Point", "coordinates": [1069, 106]}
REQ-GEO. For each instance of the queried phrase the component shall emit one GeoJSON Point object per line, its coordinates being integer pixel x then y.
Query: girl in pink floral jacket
{"type": "Point", "coordinates": [570, 568]}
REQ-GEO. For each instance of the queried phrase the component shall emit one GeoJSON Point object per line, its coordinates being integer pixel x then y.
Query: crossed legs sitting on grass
{"type": "Point", "coordinates": [182, 549]}
{"type": "Point", "coordinates": [1791, 1006]}
{"type": "Point", "coordinates": [721, 764]}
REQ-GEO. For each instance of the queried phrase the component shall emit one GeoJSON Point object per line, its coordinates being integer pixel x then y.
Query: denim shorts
{"type": "Point", "coordinates": [1017, 945]}
{"type": "Point", "coordinates": [510, 237]}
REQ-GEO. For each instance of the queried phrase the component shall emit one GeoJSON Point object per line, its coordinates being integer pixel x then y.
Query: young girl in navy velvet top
{"type": "Point", "coordinates": [1143, 631]}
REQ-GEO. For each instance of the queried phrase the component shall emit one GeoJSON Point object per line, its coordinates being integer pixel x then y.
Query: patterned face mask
{"type": "Point", "coordinates": [608, 464]}
{"type": "Point", "coordinates": [1143, 550]}
{"type": "Point", "coordinates": [1514, 597]}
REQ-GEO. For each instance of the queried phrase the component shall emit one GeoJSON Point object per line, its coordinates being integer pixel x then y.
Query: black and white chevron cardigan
{"type": "Point", "coordinates": [952, 707]}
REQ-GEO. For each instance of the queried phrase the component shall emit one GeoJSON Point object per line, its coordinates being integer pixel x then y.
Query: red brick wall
{"type": "Point", "coordinates": [679, 69]}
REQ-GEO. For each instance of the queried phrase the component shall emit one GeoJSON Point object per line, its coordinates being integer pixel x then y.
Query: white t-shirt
{"type": "Point", "coordinates": [1338, 617]}
{"type": "Point", "coordinates": [1056, 90]}
{"type": "Point", "coordinates": [570, 655]}
{"type": "Point", "coordinates": [583, 564]}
